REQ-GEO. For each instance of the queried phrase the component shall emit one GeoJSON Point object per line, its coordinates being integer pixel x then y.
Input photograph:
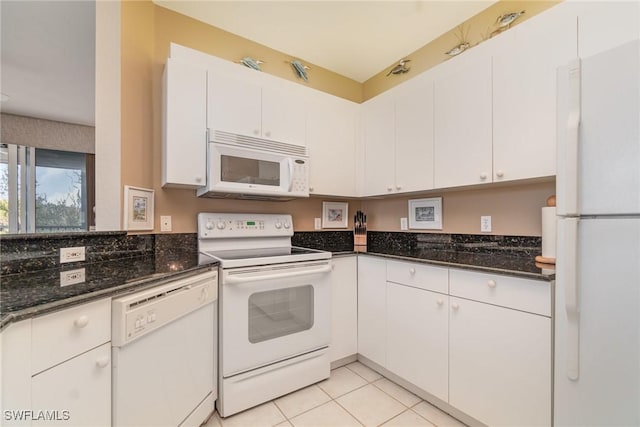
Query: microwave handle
{"type": "Point", "coordinates": [290, 163]}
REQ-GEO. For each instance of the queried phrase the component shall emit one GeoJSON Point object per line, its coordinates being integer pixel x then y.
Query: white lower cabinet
{"type": "Point", "coordinates": [76, 392]}
{"type": "Point", "coordinates": [477, 341]}
{"type": "Point", "coordinates": [417, 337]}
{"type": "Point", "coordinates": [499, 364]}
{"type": "Point", "coordinates": [372, 308]}
{"type": "Point", "coordinates": [56, 369]}
{"type": "Point", "coordinates": [344, 300]}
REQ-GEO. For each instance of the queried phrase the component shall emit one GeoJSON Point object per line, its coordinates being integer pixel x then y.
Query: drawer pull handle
{"type": "Point", "coordinates": [440, 301]}
{"type": "Point", "coordinates": [81, 321]}
{"type": "Point", "coordinates": [412, 270]}
{"type": "Point", "coordinates": [102, 362]}
{"type": "Point", "coordinates": [491, 283]}
{"type": "Point", "coordinates": [455, 306]}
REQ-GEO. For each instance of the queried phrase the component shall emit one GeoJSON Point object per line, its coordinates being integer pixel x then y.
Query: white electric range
{"type": "Point", "coordinates": [274, 314]}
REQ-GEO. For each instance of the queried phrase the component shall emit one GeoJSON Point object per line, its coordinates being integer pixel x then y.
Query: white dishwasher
{"type": "Point", "coordinates": [163, 353]}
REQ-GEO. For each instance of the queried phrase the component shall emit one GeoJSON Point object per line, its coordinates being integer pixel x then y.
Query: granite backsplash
{"type": "Point", "coordinates": [28, 253]}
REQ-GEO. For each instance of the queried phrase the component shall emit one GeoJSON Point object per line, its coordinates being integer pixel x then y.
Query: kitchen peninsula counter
{"type": "Point", "coordinates": [30, 294]}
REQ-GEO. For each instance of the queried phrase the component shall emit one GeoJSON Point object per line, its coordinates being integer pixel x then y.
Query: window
{"type": "Point", "coordinates": [45, 191]}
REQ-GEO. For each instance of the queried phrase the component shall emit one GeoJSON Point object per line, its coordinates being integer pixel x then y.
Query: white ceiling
{"type": "Point", "coordinates": [356, 38]}
{"type": "Point", "coordinates": [48, 59]}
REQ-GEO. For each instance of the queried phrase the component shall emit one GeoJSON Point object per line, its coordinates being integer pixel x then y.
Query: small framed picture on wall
{"type": "Point", "coordinates": [335, 214]}
{"type": "Point", "coordinates": [425, 214]}
{"type": "Point", "coordinates": [138, 208]}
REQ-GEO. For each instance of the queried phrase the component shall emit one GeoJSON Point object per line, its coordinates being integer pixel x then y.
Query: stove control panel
{"type": "Point", "coordinates": [225, 225]}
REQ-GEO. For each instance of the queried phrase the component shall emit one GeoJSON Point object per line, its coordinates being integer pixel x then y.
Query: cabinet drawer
{"type": "Point", "coordinates": [533, 296]}
{"type": "Point", "coordinates": [62, 335]}
{"type": "Point", "coordinates": [418, 275]}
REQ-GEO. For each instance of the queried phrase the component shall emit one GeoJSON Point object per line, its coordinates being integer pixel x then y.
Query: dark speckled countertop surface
{"type": "Point", "coordinates": [115, 264]}
{"type": "Point", "coordinates": [36, 293]}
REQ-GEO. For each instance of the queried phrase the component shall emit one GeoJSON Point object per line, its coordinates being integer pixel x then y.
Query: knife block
{"type": "Point", "coordinates": [360, 242]}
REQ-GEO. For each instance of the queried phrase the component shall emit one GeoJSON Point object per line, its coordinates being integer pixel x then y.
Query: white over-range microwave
{"type": "Point", "coordinates": [241, 166]}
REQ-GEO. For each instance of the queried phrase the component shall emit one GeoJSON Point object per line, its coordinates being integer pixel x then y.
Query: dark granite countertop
{"type": "Point", "coordinates": [501, 263]}
{"type": "Point", "coordinates": [30, 294]}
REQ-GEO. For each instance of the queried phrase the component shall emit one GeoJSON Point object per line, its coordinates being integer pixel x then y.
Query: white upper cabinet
{"type": "Point", "coordinates": [605, 25]}
{"type": "Point", "coordinates": [184, 131]}
{"type": "Point", "coordinates": [414, 134]}
{"type": "Point", "coordinates": [331, 140]}
{"type": "Point", "coordinates": [256, 105]}
{"type": "Point", "coordinates": [378, 123]}
{"type": "Point", "coordinates": [463, 141]}
{"type": "Point", "coordinates": [284, 113]}
{"type": "Point", "coordinates": [234, 104]}
{"type": "Point", "coordinates": [525, 60]}
{"type": "Point", "coordinates": [398, 138]}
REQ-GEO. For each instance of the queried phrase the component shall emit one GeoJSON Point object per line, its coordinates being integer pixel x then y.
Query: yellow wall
{"type": "Point", "coordinates": [148, 29]}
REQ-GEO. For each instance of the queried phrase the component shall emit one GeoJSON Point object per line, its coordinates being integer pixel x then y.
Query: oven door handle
{"type": "Point", "coordinates": [233, 280]}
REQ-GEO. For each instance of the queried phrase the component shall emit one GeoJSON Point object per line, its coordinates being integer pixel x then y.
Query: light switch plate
{"type": "Point", "coordinates": [485, 224]}
{"type": "Point", "coordinates": [317, 224]}
{"type": "Point", "coordinates": [404, 224]}
{"type": "Point", "coordinates": [72, 254]}
{"type": "Point", "coordinates": [165, 222]}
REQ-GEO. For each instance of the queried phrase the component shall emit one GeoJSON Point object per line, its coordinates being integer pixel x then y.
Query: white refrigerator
{"type": "Point", "coordinates": [597, 305]}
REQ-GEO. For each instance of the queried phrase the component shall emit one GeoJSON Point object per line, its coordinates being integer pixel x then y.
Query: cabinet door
{"type": "Point", "coordinates": [414, 134]}
{"type": "Point", "coordinates": [184, 138]}
{"type": "Point", "coordinates": [15, 373]}
{"type": "Point", "coordinates": [606, 25]}
{"type": "Point", "coordinates": [234, 104]}
{"type": "Point", "coordinates": [372, 306]}
{"type": "Point", "coordinates": [463, 142]}
{"type": "Point", "coordinates": [417, 338]}
{"type": "Point", "coordinates": [524, 94]}
{"type": "Point", "coordinates": [284, 113]}
{"type": "Point", "coordinates": [331, 140]}
{"type": "Point", "coordinates": [81, 386]}
{"type": "Point", "coordinates": [379, 145]}
{"type": "Point", "coordinates": [499, 364]}
{"type": "Point", "coordinates": [344, 308]}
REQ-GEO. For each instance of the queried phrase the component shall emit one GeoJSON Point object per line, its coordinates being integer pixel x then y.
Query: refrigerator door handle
{"type": "Point", "coordinates": [572, 297]}
{"type": "Point", "coordinates": [573, 139]}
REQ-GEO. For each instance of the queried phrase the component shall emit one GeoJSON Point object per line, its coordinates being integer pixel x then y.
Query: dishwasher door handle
{"type": "Point", "coordinates": [238, 279]}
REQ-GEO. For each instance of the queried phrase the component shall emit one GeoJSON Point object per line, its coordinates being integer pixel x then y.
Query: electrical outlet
{"type": "Point", "coordinates": [404, 224]}
{"type": "Point", "coordinates": [317, 224]}
{"type": "Point", "coordinates": [72, 277]}
{"type": "Point", "coordinates": [485, 224]}
{"type": "Point", "coordinates": [71, 254]}
{"type": "Point", "coordinates": [165, 222]}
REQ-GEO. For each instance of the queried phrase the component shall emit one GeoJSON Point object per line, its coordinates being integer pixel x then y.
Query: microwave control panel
{"type": "Point", "coordinates": [300, 178]}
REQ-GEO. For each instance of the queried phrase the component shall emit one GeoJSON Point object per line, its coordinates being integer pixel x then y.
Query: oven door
{"type": "Point", "coordinates": [271, 313]}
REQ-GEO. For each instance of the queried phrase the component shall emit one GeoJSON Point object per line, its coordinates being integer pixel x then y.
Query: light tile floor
{"type": "Point", "coordinates": [354, 395]}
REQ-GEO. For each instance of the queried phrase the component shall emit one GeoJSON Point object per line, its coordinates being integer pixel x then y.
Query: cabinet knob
{"type": "Point", "coordinates": [256, 132]}
{"type": "Point", "coordinates": [389, 188]}
{"type": "Point", "coordinates": [398, 187]}
{"type": "Point", "coordinates": [455, 306]}
{"type": "Point", "coordinates": [491, 283]}
{"type": "Point", "coordinates": [483, 175]}
{"type": "Point", "coordinates": [311, 189]}
{"type": "Point", "coordinates": [81, 321]}
{"type": "Point", "coordinates": [440, 301]}
{"type": "Point", "coordinates": [500, 174]}
{"type": "Point", "coordinates": [198, 179]}
{"type": "Point", "coordinates": [267, 134]}
{"type": "Point", "coordinates": [102, 362]}
{"type": "Point", "coordinates": [412, 270]}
